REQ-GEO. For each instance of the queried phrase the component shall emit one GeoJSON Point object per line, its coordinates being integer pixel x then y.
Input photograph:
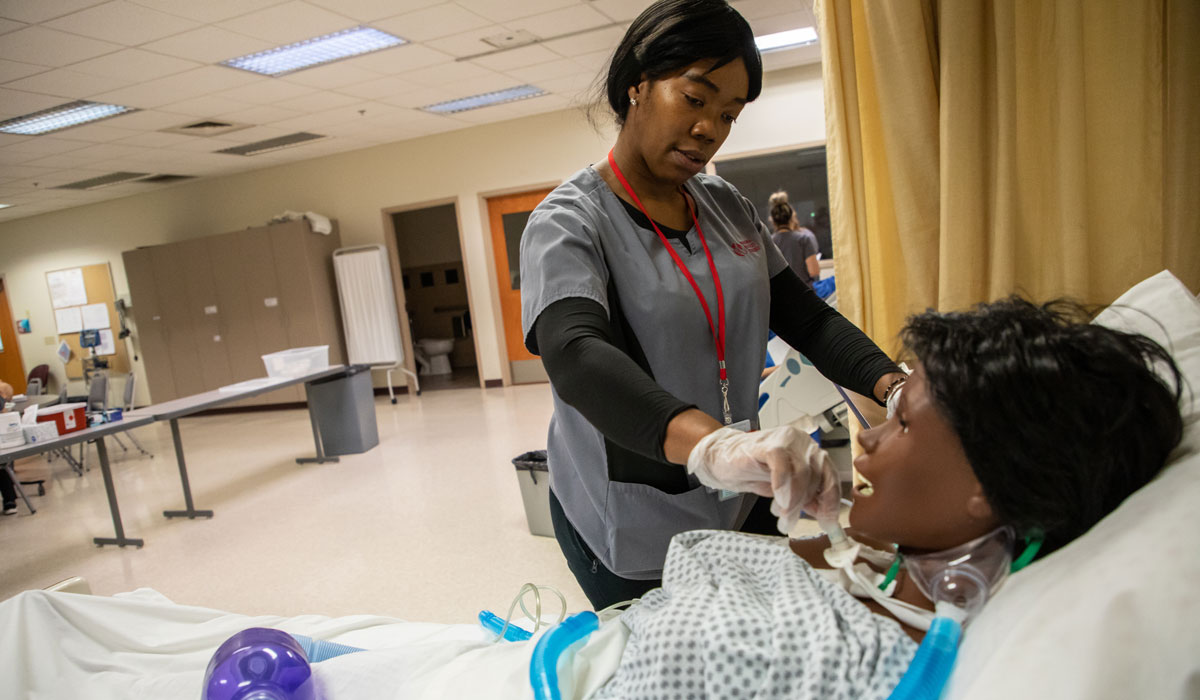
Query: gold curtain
{"type": "Point", "coordinates": [980, 148]}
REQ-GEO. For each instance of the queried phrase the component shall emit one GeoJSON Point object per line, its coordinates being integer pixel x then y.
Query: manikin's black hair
{"type": "Point", "coordinates": [1060, 419]}
{"type": "Point", "coordinates": [672, 34]}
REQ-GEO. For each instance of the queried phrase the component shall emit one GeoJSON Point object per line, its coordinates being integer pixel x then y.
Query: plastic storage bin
{"type": "Point", "coordinates": [344, 408]}
{"type": "Point", "coordinates": [296, 362]}
{"type": "Point", "coordinates": [534, 478]}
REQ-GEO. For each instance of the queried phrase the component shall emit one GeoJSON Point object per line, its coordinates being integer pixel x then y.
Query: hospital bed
{"type": "Point", "coordinates": [1112, 615]}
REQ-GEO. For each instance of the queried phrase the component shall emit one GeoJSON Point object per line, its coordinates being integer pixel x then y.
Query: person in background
{"type": "Point", "coordinates": [7, 492]}
{"type": "Point", "coordinates": [798, 244]}
{"type": "Point", "coordinates": [648, 288]}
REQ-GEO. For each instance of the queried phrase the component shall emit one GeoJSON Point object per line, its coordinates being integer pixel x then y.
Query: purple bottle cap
{"type": "Point", "coordinates": [259, 664]}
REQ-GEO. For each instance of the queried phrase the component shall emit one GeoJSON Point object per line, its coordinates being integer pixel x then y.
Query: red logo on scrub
{"type": "Point", "coordinates": [746, 247]}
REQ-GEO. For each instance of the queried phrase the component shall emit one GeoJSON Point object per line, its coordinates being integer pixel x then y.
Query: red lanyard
{"type": "Point", "coordinates": [718, 331]}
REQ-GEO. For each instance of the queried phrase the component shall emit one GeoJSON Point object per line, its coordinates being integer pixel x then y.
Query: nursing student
{"type": "Point", "coordinates": [648, 289]}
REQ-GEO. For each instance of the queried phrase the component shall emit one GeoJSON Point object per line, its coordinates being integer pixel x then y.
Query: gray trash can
{"type": "Point", "coordinates": [534, 478]}
{"type": "Point", "coordinates": [344, 408]}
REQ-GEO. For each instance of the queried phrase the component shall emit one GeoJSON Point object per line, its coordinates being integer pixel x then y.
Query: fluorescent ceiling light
{"type": "Point", "coordinates": [5, 206]}
{"type": "Point", "coordinates": [61, 117]}
{"type": "Point", "coordinates": [315, 51]}
{"type": "Point", "coordinates": [786, 40]}
{"type": "Point", "coordinates": [485, 100]}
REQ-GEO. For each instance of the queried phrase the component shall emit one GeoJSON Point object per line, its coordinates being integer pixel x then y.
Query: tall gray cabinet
{"type": "Point", "coordinates": [207, 309]}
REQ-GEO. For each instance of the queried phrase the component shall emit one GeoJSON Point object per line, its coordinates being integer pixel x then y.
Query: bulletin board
{"type": "Point", "coordinates": [77, 293]}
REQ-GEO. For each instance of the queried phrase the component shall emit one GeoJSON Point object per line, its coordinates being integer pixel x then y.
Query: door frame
{"type": "Point", "coordinates": [18, 383]}
{"type": "Point", "coordinates": [485, 229]}
{"type": "Point", "coordinates": [389, 229]}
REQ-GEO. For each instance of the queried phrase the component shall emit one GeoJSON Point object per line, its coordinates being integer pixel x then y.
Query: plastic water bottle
{"type": "Point", "coordinates": [259, 664]}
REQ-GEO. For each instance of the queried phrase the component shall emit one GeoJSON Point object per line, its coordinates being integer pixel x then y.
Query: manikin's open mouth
{"type": "Point", "coordinates": [862, 487]}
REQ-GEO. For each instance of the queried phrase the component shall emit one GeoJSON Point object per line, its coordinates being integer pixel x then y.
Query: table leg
{"type": "Point", "coordinates": [17, 485]}
{"type": "Point", "coordinates": [321, 458]}
{"type": "Point", "coordinates": [190, 512]}
{"type": "Point", "coordinates": [120, 540]}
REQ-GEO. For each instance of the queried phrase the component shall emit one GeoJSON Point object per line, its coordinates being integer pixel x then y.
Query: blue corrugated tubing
{"type": "Point", "coordinates": [543, 667]}
{"type": "Point", "coordinates": [927, 674]}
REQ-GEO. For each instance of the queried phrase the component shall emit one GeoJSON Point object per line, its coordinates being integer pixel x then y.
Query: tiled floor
{"type": "Point", "coordinates": [427, 526]}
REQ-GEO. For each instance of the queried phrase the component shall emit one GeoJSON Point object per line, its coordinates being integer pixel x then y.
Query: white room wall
{"type": "Point", "coordinates": [355, 188]}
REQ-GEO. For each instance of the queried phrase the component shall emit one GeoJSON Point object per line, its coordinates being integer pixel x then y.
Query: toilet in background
{"type": "Point", "coordinates": [433, 355]}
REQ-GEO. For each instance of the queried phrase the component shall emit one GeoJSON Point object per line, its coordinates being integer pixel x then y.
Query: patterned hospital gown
{"type": "Point", "coordinates": [741, 616]}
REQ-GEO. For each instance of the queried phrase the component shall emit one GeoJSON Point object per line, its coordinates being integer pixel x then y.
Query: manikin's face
{"type": "Point", "coordinates": [924, 495]}
{"type": "Point", "coordinates": [681, 120]}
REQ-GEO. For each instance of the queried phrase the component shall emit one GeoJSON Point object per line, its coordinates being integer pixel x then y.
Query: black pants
{"type": "Point", "coordinates": [7, 492]}
{"type": "Point", "coordinates": [604, 588]}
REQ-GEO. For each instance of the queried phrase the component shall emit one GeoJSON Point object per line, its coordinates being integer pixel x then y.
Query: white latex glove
{"type": "Point", "coordinates": [893, 401]}
{"type": "Point", "coordinates": [820, 495]}
{"type": "Point", "coordinates": [782, 463]}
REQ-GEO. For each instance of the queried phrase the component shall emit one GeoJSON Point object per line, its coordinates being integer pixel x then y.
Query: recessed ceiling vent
{"type": "Point", "coordinates": [253, 149]}
{"type": "Point", "coordinates": [208, 127]}
{"type": "Point", "coordinates": [101, 181]}
{"type": "Point", "coordinates": [165, 179]}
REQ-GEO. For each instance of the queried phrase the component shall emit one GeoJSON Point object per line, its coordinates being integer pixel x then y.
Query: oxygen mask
{"type": "Point", "coordinates": [960, 580]}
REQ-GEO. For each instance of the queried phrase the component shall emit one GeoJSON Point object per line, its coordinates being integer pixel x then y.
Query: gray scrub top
{"type": "Point", "coordinates": [577, 241]}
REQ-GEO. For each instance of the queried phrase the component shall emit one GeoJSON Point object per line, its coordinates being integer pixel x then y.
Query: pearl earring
{"type": "Point", "coordinates": [633, 101]}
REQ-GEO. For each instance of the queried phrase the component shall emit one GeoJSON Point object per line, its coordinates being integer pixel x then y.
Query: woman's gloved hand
{"type": "Point", "coordinates": [781, 463]}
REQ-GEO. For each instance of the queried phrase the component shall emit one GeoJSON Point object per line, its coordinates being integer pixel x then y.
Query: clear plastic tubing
{"type": "Point", "coordinates": [259, 664]}
{"type": "Point", "coordinates": [930, 669]}
{"type": "Point", "coordinates": [543, 667]}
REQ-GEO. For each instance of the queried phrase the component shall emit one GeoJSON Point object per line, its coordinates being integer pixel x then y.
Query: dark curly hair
{"type": "Point", "coordinates": [1060, 419]}
{"type": "Point", "coordinates": [672, 34]}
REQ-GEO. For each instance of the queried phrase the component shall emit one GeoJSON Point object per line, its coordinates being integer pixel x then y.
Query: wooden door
{"type": "Point", "coordinates": [148, 314]}
{"type": "Point", "coordinates": [507, 216]}
{"type": "Point", "coordinates": [255, 265]}
{"type": "Point", "coordinates": [205, 312]}
{"type": "Point", "coordinates": [168, 266]}
{"type": "Point", "coordinates": [12, 369]}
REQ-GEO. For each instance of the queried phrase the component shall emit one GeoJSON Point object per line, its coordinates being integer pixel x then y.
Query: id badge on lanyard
{"type": "Point", "coordinates": [717, 329]}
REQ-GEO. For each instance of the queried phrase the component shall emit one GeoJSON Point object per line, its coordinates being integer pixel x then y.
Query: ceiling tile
{"type": "Point", "coordinates": [468, 43]}
{"type": "Point", "coordinates": [371, 10]}
{"type": "Point", "coordinates": [266, 91]}
{"type": "Point", "coordinates": [149, 120]}
{"type": "Point", "coordinates": [157, 139]}
{"type": "Point", "coordinates": [134, 65]}
{"type": "Point", "coordinates": [569, 85]}
{"type": "Point", "coordinates": [448, 74]}
{"type": "Point", "coordinates": [208, 10]}
{"type": "Point", "coordinates": [71, 159]}
{"type": "Point", "coordinates": [751, 9]}
{"type": "Point", "coordinates": [626, 10]}
{"type": "Point", "coordinates": [346, 72]}
{"type": "Point", "coordinates": [100, 132]}
{"type": "Point", "coordinates": [401, 58]}
{"type": "Point", "coordinates": [11, 157]}
{"type": "Point", "coordinates": [12, 70]}
{"type": "Point", "coordinates": [596, 61]}
{"type": "Point", "coordinates": [183, 86]}
{"type": "Point", "coordinates": [517, 58]}
{"type": "Point", "coordinates": [42, 10]}
{"type": "Point", "coordinates": [206, 106]}
{"type": "Point", "coordinates": [433, 22]}
{"type": "Point", "coordinates": [7, 25]}
{"type": "Point", "coordinates": [559, 22]}
{"type": "Point", "coordinates": [122, 22]}
{"type": "Point", "coordinates": [605, 39]}
{"type": "Point", "coordinates": [208, 45]}
{"type": "Point", "coordinates": [383, 87]}
{"type": "Point", "coordinates": [504, 10]}
{"type": "Point", "coordinates": [318, 101]}
{"type": "Point", "coordinates": [51, 47]}
{"type": "Point", "coordinates": [260, 114]}
{"type": "Point", "coordinates": [67, 84]}
{"type": "Point", "coordinates": [421, 97]}
{"type": "Point", "coordinates": [545, 71]}
{"type": "Point", "coordinates": [779, 23]}
{"type": "Point", "coordinates": [287, 23]}
{"type": "Point", "coordinates": [14, 103]}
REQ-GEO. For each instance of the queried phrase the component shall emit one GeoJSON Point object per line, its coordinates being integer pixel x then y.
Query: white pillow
{"type": "Point", "coordinates": [1116, 613]}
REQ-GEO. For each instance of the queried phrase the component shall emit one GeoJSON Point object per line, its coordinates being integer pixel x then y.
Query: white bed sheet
{"type": "Point", "coordinates": [140, 645]}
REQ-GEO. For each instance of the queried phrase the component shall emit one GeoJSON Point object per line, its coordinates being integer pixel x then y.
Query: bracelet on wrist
{"type": "Point", "coordinates": [896, 383]}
